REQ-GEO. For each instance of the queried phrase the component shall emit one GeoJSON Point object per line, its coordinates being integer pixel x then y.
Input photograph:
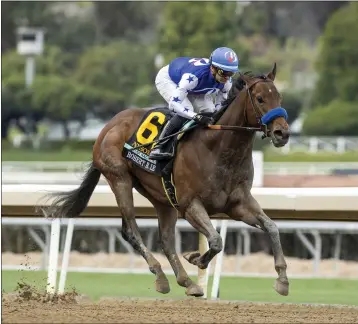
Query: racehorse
{"type": "Point", "coordinates": [212, 171]}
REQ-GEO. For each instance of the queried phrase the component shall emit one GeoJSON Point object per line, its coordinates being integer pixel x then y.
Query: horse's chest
{"type": "Point", "coordinates": [221, 185]}
{"type": "Point", "coordinates": [215, 199]}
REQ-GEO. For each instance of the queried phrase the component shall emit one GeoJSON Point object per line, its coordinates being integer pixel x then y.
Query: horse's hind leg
{"type": "Point", "coordinates": [167, 220]}
{"type": "Point", "coordinates": [121, 184]}
{"type": "Point", "coordinates": [251, 213]}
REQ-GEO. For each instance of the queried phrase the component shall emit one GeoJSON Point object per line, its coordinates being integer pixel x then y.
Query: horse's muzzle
{"type": "Point", "coordinates": [280, 137]}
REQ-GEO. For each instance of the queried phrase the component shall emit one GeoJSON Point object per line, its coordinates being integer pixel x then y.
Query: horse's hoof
{"type": "Point", "coordinates": [281, 287]}
{"type": "Point", "coordinates": [194, 290]}
{"type": "Point", "coordinates": [192, 257]}
{"type": "Point", "coordinates": [162, 286]}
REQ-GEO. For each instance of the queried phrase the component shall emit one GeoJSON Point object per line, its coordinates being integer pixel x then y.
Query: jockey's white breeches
{"type": "Point", "coordinates": [198, 103]}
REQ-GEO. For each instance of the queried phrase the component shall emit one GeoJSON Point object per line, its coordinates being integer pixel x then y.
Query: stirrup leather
{"type": "Point", "coordinates": [156, 152]}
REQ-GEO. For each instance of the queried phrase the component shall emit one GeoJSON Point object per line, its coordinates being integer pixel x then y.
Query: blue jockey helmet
{"type": "Point", "coordinates": [225, 58]}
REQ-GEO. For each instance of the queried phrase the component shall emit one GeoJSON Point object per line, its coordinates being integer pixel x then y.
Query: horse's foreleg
{"type": "Point", "coordinates": [121, 185]}
{"type": "Point", "coordinates": [251, 213]}
{"type": "Point", "coordinates": [197, 216]}
{"type": "Point", "coordinates": [167, 219]}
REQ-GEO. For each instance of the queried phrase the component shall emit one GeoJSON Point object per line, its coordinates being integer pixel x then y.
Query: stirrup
{"type": "Point", "coordinates": [156, 154]}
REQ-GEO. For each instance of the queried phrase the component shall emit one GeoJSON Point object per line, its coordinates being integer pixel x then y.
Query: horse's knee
{"type": "Point", "coordinates": [216, 243]}
{"type": "Point", "coordinates": [125, 234]}
{"type": "Point", "coordinates": [164, 241]}
{"type": "Point", "coordinates": [165, 247]}
{"type": "Point", "coordinates": [128, 235]}
{"type": "Point", "coordinates": [269, 225]}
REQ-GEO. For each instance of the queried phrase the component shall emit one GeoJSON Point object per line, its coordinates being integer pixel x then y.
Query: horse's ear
{"type": "Point", "coordinates": [271, 75]}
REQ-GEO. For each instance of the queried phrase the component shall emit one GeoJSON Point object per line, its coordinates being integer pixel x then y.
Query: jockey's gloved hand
{"type": "Point", "coordinates": [203, 120]}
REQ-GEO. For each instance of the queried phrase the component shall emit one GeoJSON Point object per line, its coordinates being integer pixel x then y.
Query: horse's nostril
{"type": "Point", "coordinates": [278, 134]}
{"type": "Point", "coordinates": [281, 134]}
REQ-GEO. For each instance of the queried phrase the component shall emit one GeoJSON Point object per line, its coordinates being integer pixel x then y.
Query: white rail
{"type": "Point", "coordinates": [320, 199]}
{"type": "Point", "coordinates": [285, 199]}
{"type": "Point", "coordinates": [72, 172]}
{"type": "Point", "coordinates": [315, 144]}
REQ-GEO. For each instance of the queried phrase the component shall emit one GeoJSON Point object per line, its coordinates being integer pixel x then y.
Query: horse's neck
{"type": "Point", "coordinates": [234, 115]}
{"type": "Point", "coordinates": [230, 147]}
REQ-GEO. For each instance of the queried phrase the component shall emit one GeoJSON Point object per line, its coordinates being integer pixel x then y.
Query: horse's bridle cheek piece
{"type": "Point", "coordinates": [264, 119]}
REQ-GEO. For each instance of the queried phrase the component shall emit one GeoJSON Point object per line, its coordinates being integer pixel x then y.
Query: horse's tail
{"type": "Point", "coordinates": [71, 204]}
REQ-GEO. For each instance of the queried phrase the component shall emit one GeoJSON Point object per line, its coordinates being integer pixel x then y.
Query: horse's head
{"type": "Point", "coordinates": [263, 107]}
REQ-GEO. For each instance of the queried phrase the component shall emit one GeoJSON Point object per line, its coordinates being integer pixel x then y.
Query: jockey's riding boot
{"type": "Point", "coordinates": [171, 127]}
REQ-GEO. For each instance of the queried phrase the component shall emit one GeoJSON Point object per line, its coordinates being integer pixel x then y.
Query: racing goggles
{"type": "Point", "coordinates": [225, 74]}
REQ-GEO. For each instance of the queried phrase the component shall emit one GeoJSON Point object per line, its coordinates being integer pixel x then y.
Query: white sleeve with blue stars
{"type": "Point", "coordinates": [187, 82]}
{"type": "Point", "coordinates": [222, 95]}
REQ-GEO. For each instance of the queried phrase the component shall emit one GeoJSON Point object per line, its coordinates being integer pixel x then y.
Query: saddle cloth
{"type": "Point", "coordinates": [149, 130]}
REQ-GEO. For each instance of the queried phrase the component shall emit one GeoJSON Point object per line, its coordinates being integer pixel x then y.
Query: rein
{"type": "Point", "coordinates": [262, 120]}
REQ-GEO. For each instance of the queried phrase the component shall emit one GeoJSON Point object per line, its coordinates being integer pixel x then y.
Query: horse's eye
{"type": "Point", "coordinates": [259, 99]}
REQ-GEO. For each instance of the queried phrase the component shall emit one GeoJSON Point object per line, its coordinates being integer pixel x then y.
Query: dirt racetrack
{"type": "Point", "coordinates": [136, 310]}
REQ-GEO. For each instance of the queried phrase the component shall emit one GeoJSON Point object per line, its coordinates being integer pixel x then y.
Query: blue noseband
{"type": "Point", "coordinates": [273, 114]}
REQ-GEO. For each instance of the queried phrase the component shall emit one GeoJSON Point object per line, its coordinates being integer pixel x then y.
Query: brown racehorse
{"type": "Point", "coordinates": [213, 173]}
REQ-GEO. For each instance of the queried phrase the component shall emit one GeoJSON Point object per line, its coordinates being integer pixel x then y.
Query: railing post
{"type": "Point", "coordinates": [202, 273]}
{"type": "Point", "coordinates": [53, 257]}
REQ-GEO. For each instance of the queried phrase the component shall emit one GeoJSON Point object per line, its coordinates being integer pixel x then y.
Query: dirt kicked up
{"type": "Point", "coordinates": [30, 306]}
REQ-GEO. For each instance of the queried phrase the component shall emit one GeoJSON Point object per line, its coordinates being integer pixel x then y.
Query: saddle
{"type": "Point", "coordinates": [149, 130]}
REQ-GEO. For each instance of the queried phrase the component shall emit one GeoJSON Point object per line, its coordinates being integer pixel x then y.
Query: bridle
{"type": "Point", "coordinates": [262, 119]}
{"type": "Point", "coordinates": [258, 115]}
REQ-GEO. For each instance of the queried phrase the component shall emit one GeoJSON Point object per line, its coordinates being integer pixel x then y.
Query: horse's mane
{"type": "Point", "coordinates": [237, 86]}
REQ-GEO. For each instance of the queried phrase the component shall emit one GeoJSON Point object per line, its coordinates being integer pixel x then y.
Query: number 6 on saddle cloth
{"type": "Point", "coordinates": [148, 131]}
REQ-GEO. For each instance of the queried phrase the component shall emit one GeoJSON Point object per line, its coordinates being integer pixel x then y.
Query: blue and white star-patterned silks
{"type": "Point", "coordinates": [193, 76]}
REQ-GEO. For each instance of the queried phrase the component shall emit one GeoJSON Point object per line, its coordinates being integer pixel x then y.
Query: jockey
{"type": "Point", "coordinates": [193, 86]}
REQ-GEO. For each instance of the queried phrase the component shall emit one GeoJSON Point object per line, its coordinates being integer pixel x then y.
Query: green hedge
{"type": "Point", "coordinates": [339, 118]}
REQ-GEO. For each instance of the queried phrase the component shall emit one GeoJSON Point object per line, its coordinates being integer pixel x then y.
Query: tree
{"type": "Point", "coordinates": [282, 20]}
{"type": "Point", "coordinates": [121, 67]}
{"type": "Point", "coordinates": [14, 14]}
{"type": "Point", "coordinates": [53, 61]}
{"type": "Point", "coordinates": [339, 118]}
{"type": "Point", "coordinates": [63, 99]}
{"type": "Point", "coordinates": [69, 26]}
{"type": "Point", "coordinates": [337, 64]}
{"type": "Point", "coordinates": [293, 103]}
{"type": "Point", "coordinates": [17, 101]}
{"type": "Point", "coordinates": [196, 30]}
{"type": "Point", "coordinates": [125, 19]}
{"type": "Point", "coordinates": [16, 106]}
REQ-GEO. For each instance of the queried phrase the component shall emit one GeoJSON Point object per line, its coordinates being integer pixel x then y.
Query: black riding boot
{"type": "Point", "coordinates": [171, 127]}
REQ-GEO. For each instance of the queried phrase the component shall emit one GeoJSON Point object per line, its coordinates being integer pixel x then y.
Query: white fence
{"type": "Point", "coordinates": [308, 168]}
{"type": "Point", "coordinates": [294, 199]}
{"type": "Point", "coordinates": [300, 203]}
{"type": "Point", "coordinates": [320, 144]}
{"type": "Point", "coordinates": [71, 172]}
